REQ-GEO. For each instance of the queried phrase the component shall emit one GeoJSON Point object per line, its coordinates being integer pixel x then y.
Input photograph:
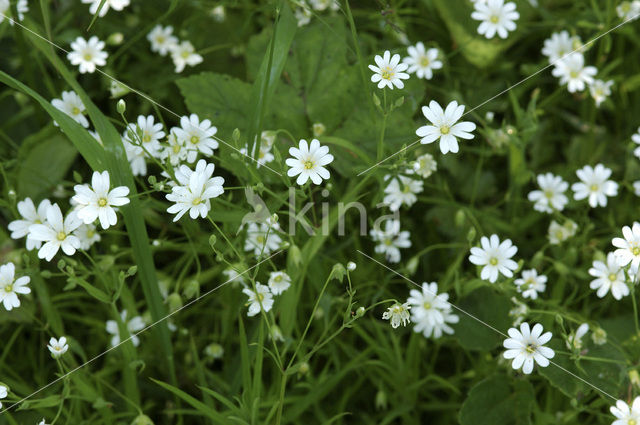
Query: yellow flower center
{"type": "Point", "coordinates": [176, 148]}
{"type": "Point", "coordinates": [387, 242]}
{"type": "Point", "coordinates": [406, 188]}
{"type": "Point", "coordinates": [160, 39]}
{"type": "Point", "coordinates": [574, 74]}
{"type": "Point", "coordinates": [146, 137]}
{"type": "Point", "coordinates": [548, 194]}
{"type": "Point", "coordinates": [594, 187]}
{"type": "Point", "coordinates": [445, 129]}
{"type": "Point", "coordinates": [308, 164]}
{"type": "Point", "coordinates": [196, 201]}
{"type": "Point", "coordinates": [494, 19]}
{"type": "Point", "coordinates": [87, 57]}
{"type": "Point", "coordinates": [531, 348]}
{"type": "Point", "coordinates": [424, 61]}
{"type": "Point", "coordinates": [426, 305]}
{"type": "Point", "coordinates": [185, 54]}
{"type": "Point", "coordinates": [260, 239]}
{"type": "Point", "coordinates": [493, 261]}
{"type": "Point", "coordinates": [75, 110]}
{"type": "Point", "coordinates": [635, 250]}
{"type": "Point", "coordinates": [90, 233]}
{"type": "Point", "coordinates": [61, 236]}
{"type": "Point", "coordinates": [195, 140]}
{"type": "Point", "coordinates": [102, 202]}
{"type": "Point", "coordinates": [559, 235]}
{"type": "Point", "coordinates": [613, 277]}
{"type": "Point", "coordinates": [260, 297]}
{"type": "Point", "coordinates": [8, 288]}
{"type": "Point", "coordinates": [387, 73]}
{"type": "Point", "coordinates": [278, 278]}
{"type": "Point", "coordinates": [626, 7]}
{"type": "Point", "coordinates": [632, 422]}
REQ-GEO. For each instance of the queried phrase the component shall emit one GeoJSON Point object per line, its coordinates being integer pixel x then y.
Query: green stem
{"type": "Point", "coordinates": [380, 153]}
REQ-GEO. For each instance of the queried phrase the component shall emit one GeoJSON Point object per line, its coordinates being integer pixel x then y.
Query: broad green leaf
{"type": "Point", "coordinates": [489, 306]}
{"type": "Point", "coordinates": [498, 400]}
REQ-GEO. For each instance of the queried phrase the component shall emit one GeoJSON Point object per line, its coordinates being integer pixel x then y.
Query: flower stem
{"type": "Point", "coordinates": [380, 152]}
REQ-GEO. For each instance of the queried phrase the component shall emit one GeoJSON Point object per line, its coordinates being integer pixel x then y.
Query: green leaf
{"type": "Point", "coordinates": [498, 400]}
{"type": "Point", "coordinates": [490, 307]}
{"type": "Point", "coordinates": [201, 408]}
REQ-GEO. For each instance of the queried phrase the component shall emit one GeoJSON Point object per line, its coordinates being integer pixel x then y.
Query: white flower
{"type": "Point", "coordinates": [496, 16]}
{"type": "Point", "coordinates": [279, 282]}
{"type": "Point", "coordinates": [214, 350]}
{"type": "Point", "coordinates": [551, 194]}
{"type": "Point", "coordinates": [135, 156]}
{"type": "Point", "coordinates": [184, 54]}
{"type": "Point", "coordinates": [116, 5]}
{"type": "Point", "coordinates": [3, 389]}
{"type": "Point", "coordinates": [162, 39]}
{"type": "Point", "coordinates": [303, 15]}
{"type": "Point", "coordinates": [531, 283]}
{"type": "Point", "coordinates": [262, 238]}
{"type": "Point", "coordinates": [526, 346]}
{"type": "Point", "coordinates": [308, 162]}
{"type": "Point", "coordinates": [599, 336]}
{"type": "Point", "coordinates": [636, 187]}
{"type": "Point", "coordinates": [97, 201]}
{"type": "Point", "coordinates": [398, 314]}
{"type": "Point", "coordinates": [234, 276]}
{"type": "Point", "coordinates": [595, 184]}
{"type": "Point", "coordinates": [261, 299]}
{"type": "Point", "coordinates": [571, 71]}
{"type": "Point", "coordinates": [389, 71]}
{"type": "Point", "coordinates": [518, 312]}
{"type": "Point", "coordinates": [495, 257]}
{"type": "Point", "coordinates": [600, 90]}
{"type": "Point", "coordinates": [147, 134]}
{"type": "Point", "coordinates": [87, 235]}
{"type": "Point", "coordinates": [435, 330]}
{"type": "Point", "coordinates": [321, 5]}
{"type": "Point", "coordinates": [628, 10]}
{"type": "Point", "coordinates": [351, 266]}
{"type": "Point", "coordinates": [196, 135]}
{"type": "Point", "coordinates": [194, 190]}
{"type": "Point", "coordinates": [427, 305]}
{"type": "Point", "coordinates": [264, 157]}
{"type": "Point", "coordinates": [58, 347]}
{"type": "Point", "coordinates": [39, 423]}
{"type": "Point", "coordinates": [390, 240]}
{"type": "Point", "coordinates": [625, 414]}
{"type": "Point", "coordinates": [5, 9]}
{"type": "Point", "coordinates": [609, 277]}
{"type": "Point", "coordinates": [72, 105]}
{"type": "Point", "coordinates": [636, 140]}
{"type": "Point", "coordinates": [56, 233]}
{"type": "Point", "coordinates": [87, 54]}
{"type": "Point", "coordinates": [134, 325]}
{"type": "Point", "coordinates": [628, 248]}
{"type": "Point", "coordinates": [425, 165]}
{"type": "Point", "coordinates": [574, 340]}
{"type": "Point", "coordinates": [558, 45]}
{"type": "Point", "coordinates": [401, 190]}
{"type": "Point", "coordinates": [11, 287]}
{"type": "Point", "coordinates": [20, 228]}
{"type": "Point", "coordinates": [422, 61]}
{"type": "Point", "coordinates": [445, 126]}
{"type": "Point", "coordinates": [559, 233]}
{"type": "Point", "coordinates": [176, 152]}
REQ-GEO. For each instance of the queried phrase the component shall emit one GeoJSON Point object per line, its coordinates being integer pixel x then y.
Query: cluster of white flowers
{"type": "Point", "coordinates": [305, 9]}
{"type": "Point", "coordinates": [22, 7]}
{"type": "Point", "coordinates": [262, 238]}
{"type": "Point", "coordinates": [431, 312]}
{"type": "Point", "coordinates": [164, 42]}
{"type": "Point", "coordinates": [567, 54]}
{"type": "Point", "coordinates": [389, 71]}
{"type": "Point", "coordinates": [559, 233]}
{"type": "Point", "coordinates": [133, 325]}
{"type": "Point", "coordinates": [262, 297]}
{"type": "Point", "coordinates": [194, 190]}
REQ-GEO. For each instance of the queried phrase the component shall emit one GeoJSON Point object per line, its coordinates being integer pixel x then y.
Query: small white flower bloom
{"type": "Point", "coordinates": [425, 165]}
{"type": "Point", "coordinates": [599, 336]}
{"type": "Point", "coordinates": [3, 390]}
{"type": "Point", "coordinates": [435, 330]}
{"type": "Point", "coordinates": [318, 129]}
{"type": "Point", "coordinates": [56, 233]}
{"type": "Point", "coordinates": [636, 187]}
{"type": "Point", "coordinates": [600, 90]}
{"type": "Point", "coordinates": [58, 347]}
{"type": "Point", "coordinates": [136, 157]}
{"type": "Point", "coordinates": [279, 282]}
{"type": "Point", "coordinates": [309, 162]}
{"type": "Point", "coordinates": [390, 240]}
{"type": "Point", "coordinates": [445, 126]}
{"type": "Point", "coordinates": [162, 39]}
{"type": "Point", "coordinates": [185, 54]}
{"type": "Point", "coordinates": [526, 346]}
{"type": "Point", "coordinates": [496, 16]}
{"type": "Point", "coordinates": [134, 325]}
{"type": "Point", "coordinates": [321, 5]}
{"type": "Point", "coordinates": [625, 414]}
{"type": "Point", "coordinates": [147, 134]}
{"type": "Point", "coordinates": [636, 139]}
{"type": "Point", "coordinates": [609, 276]}
{"type": "Point", "coordinates": [194, 190]}
{"type": "Point", "coordinates": [10, 287]}
{"type": "Point", "coordinates": [551, 194]}
{"type": "Point", "coordinates": [559, 44]}
{"type": "Point", "coordinates": [628, 251]}
{"type": "Point", "coordinates": [422, 62]}
{"type": "Point", "coordinates": [214, 351]}
{"type": "Point", "coordinates": [39, 423]}
{"type": "Point", "coordinates": [571, 71]}
{"type": "Point", "coordinates": [262, 238]}
{"type": "Point", "coordinates": [97, 201]}
{"type": "Point", "coordinates": [87, 54]}
{"type": "Point", "coordinates": [628, 10]}
{"type": "Point", "coordinates": [176, 152]}
{"type": "Point", "coordinates": [531, 283]}
{"type": "Point", "coordinates": [87, 235]}
{"type": "Point", "coordinates": [389, 72]}
{"type": "Point", "coordinates": [233, 276]}
{"type": "Point", "coordinates": [401, 190]}
{"type": "Point", "coordinates": [427, 305]}
{"type": "Point", "coordinates": [594, 184]}
{"type": "Point", "coordinates": [261, 299]}
{"type": "Point", "coordinates": [398, 314]}
{"type": "Point", "coordinates": [559, 233]}
{"type": "Point", "coordinates": [518, 312]}
{"type": "Point", "coordinates": [264, 157]}
{"type": "Point", "coordinates": [574, 340]}
{"type": "Point", "coordinates": [116, 5]}
{"type": "Point", "coordinates": [72, 105]}
{"type": "Point", "coordinates": [5, 9]}
{"type": "Point", "coordinates": [303, 15]}
{"type": "Point", "coordinates": [20, 228]}
{"type": "Point", "coordinates": [495, 256]}
{"type": "Point", "coordinates": [196, 135]}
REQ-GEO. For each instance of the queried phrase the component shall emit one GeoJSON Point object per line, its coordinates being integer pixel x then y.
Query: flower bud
{"type": "Point", "coordinates": [351, 266]}
{"type": "Point", "coordinates": [192, 289]}
{"type": "Point", "coordinates": [142, 420]}
{"type": "Point", "coordinates": [174, 301]}
{"type": "Point", "coordinates": [360, 312]}
{"type": "Point", "coordinates": [121, 106]}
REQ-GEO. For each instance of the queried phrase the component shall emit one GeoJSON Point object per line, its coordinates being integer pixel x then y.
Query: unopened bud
{"type": "Point", "coordinates": [121, 106]}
